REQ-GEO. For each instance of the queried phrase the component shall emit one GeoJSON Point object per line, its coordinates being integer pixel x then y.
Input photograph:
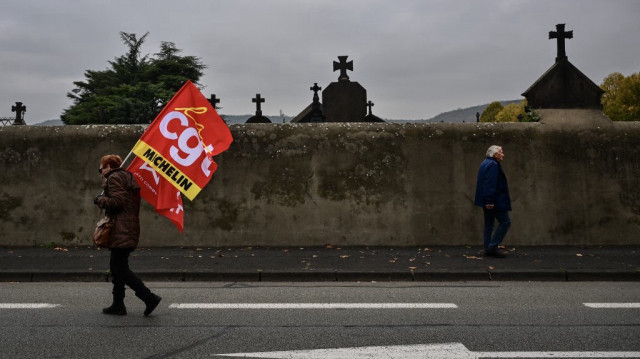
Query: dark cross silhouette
{"type": "Point", "coordinates": [343, 66]}
{"type": "Point", "coordinates": [19, 109]}
{"type": "Point", "coordinates": [560, 34]}
{"type": "Point", "coordinates": [370, 105]}
{"type": "Point", "coordinates": [258, 100]}
{"type": "Point", "coordinates": [214, 101]}
{"type": "Point", "coordinates": [315, 90]}
{"type": "Point", "coordinates": [477, 116]}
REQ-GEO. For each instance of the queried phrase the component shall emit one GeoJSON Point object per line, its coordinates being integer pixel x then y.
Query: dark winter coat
{"type": "Point", "coordinates": [491, 186]}
{"type": "Point", "coordinates": [121, 201]}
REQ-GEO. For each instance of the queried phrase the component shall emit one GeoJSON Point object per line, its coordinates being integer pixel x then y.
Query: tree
{"type": "Point", "coordinates": [621, 101]}
{"type": "Point", "coordinates": [510, 113]}
{"type": "Point", "coordinates": [489, 113]}
{"type": "Point", "coordinates": [134, 88]}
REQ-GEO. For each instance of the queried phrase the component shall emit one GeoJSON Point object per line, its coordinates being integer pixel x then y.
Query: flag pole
{"type": "Point", "coordinates": [126, 158]}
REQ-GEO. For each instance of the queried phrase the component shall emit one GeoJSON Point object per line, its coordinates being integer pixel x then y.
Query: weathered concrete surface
{"type": "Point", "coordinates": [344, 184]}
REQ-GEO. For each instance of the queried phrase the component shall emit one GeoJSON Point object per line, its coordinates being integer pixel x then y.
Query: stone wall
{"type": "Point", "coordinates": [343, 184]}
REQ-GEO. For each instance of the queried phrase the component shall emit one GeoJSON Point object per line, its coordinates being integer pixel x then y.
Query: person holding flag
{"type": "Point", "coordinates": [174, 156]}
{"type": "Point", "coordinates": [121, 201]}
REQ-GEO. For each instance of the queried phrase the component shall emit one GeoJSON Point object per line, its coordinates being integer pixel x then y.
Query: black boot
{"type": "Point", "coordinates": [151, 301]}
{"type": "Point", "coordinates": [117, 308]}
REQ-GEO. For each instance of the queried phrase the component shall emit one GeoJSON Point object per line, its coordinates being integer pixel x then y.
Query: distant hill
{"type": "Point", "coordinates": [50, 123]}
{"type": "Point", "coordinates": [465, 114]}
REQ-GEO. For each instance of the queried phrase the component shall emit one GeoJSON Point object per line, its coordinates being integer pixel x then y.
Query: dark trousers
{"type": "Point", "coordinates": [493, 239]}
{"type": "Point", "coordinates": [122, 275]}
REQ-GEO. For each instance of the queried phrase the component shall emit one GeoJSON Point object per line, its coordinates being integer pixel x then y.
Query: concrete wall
{"type": "Point", "coordinates": [342, 184]}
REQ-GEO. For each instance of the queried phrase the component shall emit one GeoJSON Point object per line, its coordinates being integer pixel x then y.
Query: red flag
{"type": "Point", "coordinates": [175, 154]}
{"type": "Point", "coordinates": [165, 198]}
{"type": "Point", "coordinates": [181, 142]}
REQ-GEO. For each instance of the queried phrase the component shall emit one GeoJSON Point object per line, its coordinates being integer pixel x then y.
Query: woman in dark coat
{"type": "Point", "coordinates": [121, 202]}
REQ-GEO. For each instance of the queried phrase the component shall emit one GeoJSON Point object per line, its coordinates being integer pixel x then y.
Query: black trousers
{"type": "Point", "coordinates": [122, 275]}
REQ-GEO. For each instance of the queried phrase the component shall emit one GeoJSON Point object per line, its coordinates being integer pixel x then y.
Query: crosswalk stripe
{"type": "Point", "coordinates": [27, 305]}
{"type": "Point", "coordinates": [612, 305]}
{"type": "Point", "coordinates": [313, 306]}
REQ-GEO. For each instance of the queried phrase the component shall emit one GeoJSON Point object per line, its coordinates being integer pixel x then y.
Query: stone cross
{"type": "Point", "coordinates": [258, 100]}
{"type": "Point", "coordinates": [214, 101]}
{"type": "Point", "coordinates": [370, 105]}
{"type": "Point", "coordinates": [19, 109]}
{"type": "Point", "coordinates": [315, 90]}
{"type": "Point", "coordinates": [560, 34]}
{"type": "Point", "coordinates": [343, 66]}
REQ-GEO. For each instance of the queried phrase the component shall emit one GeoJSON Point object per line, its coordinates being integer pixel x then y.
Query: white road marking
{"type": "Point", "coordinates": [27, 305]}
{"type": "Point", "coordinates": [313, 306]}
{"type": "Point", "coordinates": [612, 305]}
{"type": "Point", "coordinates": [428, 351]}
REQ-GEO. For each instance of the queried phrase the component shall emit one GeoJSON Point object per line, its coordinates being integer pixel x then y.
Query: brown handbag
{"type": "Point", "coordinates": [102, 232]}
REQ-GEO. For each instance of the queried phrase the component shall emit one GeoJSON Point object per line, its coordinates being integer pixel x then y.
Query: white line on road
{"type": "Point", "coordinates": [27, 305]}
{"type": "Point", "coordinates": [313, 306]}
{"type": "Point", "coordinates": [428, 351]}
{"type": "Point", "coordinates": [613, 305]}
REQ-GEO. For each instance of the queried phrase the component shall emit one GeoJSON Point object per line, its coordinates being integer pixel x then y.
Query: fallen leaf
{"type": "Point", "coordinates": [471, 257]}
{"type": "Point", "coordinates": [578, 255]}
{"type": "Point", "coordinates": [345, 256]}
{"type": "Point", "coordinates": [492, 267]}
{"type": "Point", "coordinates": [60, 249]}
{"type": "Point", "coordinates": [413, 268]}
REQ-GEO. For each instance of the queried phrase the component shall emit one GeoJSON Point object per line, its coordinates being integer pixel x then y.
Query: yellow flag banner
{"type": "Point", "coordinates": [166, 169]}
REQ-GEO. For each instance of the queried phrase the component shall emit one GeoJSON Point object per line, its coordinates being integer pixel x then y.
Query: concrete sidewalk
{"type": "Point", "coordinates": [330, 263]}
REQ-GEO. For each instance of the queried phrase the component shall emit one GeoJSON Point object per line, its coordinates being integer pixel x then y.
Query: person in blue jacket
{"type": "Point", "coordinates": [492, 194]}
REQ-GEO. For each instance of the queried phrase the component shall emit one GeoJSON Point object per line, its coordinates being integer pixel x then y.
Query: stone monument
{"type": "Point", "coordinates": [345, 100]}
{"type": "Point", "coordinates": [19, 109]}
{"type": "Point", "coordinates": [563, 86]}
{"type": "Point", "coordinates": [214, 101]}
{"type": "Point", "coordinates": [258, 118]}
{"type": "Point", "coordinates": [313, 112]}
{"type": "Point", "coordinates": [371, 117]}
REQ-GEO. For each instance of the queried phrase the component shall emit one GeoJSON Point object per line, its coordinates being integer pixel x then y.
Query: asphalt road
{"type": "Point", "coordinates": [321, 320]}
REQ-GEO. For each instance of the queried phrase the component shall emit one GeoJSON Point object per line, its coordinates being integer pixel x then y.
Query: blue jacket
{"type": "Point", "coordinates": [491, 187]}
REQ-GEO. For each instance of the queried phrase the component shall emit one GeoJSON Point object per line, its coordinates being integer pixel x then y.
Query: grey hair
{"type": "Point", "coordinates": [493, 150]}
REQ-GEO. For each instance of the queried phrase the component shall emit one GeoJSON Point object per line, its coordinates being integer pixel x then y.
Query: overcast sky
{"type": "Point", "coordinates": [416, 58]}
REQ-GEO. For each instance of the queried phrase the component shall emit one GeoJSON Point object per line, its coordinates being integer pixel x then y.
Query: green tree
{"type": "Point", "coordinates": [621, 101]}
{"type": "Point", "coordinates": [510, 113]}
{"type": "Point", "coordinates": [134, 88]}
{"type": "Point", "coordinates": [489, 113]}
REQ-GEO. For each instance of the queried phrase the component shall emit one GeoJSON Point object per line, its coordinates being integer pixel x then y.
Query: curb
{"type": "Point", "coordinates": [331, 276]}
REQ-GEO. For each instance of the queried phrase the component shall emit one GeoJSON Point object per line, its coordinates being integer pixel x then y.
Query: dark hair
{"type": "Point", "coordinates": [113, 161]}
